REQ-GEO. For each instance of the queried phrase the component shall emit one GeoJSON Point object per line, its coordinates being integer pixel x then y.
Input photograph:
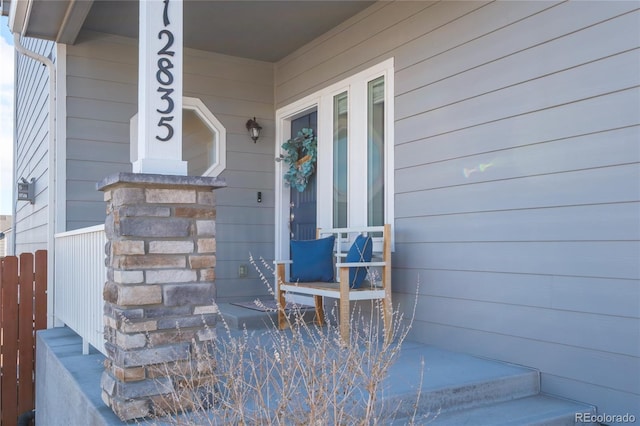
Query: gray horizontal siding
{"type": "Point", "coordinates": [615, 259]}
{"type": "Point", "coordinates": [236, 89]}
{"type": "Point", "coordinates": [561, 364]}
{"type": "Point", "coordinates": [517, 178]}
{"type": "Point", "coordinates": [606, 296]}
{"type": "Point", "coordinates": [613, 184]}
{"type": "Point", "coordinates": [568, 223]}
{"type": "Point", "coordinates": [533, 28]}
{"type": "Point", "coordinates": [474, 164]}
{"type": "Point", "coordinates": [553, 326]}
{"type": "Point", "coordinates": [568, 121]}
{"type": "Point", "coordinates": [32, 146]}
{"type": "Point", "coordinates": [102, 97]}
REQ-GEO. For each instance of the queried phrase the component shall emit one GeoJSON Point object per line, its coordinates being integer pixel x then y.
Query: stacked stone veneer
{"type": "Point", "coordinates": [159, 298]}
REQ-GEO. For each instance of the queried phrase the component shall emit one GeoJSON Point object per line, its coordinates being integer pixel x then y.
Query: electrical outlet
{"type": "Point", "coordinates": [243, 271]}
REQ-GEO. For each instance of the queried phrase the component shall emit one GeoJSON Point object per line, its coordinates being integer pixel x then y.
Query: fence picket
{"type": "Point", "coordinates": [25, 334]}
{"type": "Point", "coordinates": [23, 310]}
{"type": "Point", "coordinates": [41, 290]}
{"type": "Point", "coordinates": [10, 341]}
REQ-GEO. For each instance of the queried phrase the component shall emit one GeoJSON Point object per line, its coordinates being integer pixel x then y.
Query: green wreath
{"type": "Point", "coordinates": [301, 154]}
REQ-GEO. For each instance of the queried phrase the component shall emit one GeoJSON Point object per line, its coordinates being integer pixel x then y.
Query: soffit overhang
{"type": "Point", "coordinates": [265, 30]}
{"type": "Point", "coordinates": [57, 20]}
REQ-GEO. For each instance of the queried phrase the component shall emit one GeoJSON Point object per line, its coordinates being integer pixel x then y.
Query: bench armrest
{"type": "Point", "coordinates": [359, 264]}
{"type": "Point", "coordinates": [282, 262]}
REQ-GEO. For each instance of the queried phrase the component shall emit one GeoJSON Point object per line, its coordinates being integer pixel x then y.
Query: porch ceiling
{"type": "Point", "coordinates": [266, 30]}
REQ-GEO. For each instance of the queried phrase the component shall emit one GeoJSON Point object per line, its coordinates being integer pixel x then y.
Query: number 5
{"type": "Point", "coordinates": [163, 123]}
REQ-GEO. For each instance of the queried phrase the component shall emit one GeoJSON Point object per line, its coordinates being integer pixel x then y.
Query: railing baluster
{"type": "Point", "coordinates": [80, 277]}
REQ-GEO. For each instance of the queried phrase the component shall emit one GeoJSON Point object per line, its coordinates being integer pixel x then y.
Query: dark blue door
{"type": "Point", "coordinates": [302, 214]}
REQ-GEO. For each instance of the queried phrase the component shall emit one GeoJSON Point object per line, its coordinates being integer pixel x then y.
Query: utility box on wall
{"type": "Point", "coordinates": [27, 190]}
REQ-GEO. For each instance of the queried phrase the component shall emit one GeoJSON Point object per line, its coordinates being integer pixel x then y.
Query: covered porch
{"type": "Point", "coordinates": [230, 51]}
{"type": "Point", "coordinates": [481, 217]}
{"type": "Point", "coordinates": [425, 385]}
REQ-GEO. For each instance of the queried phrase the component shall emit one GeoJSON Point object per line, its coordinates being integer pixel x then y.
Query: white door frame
{"type": "Point", "coordinates": [284, 116]}
{"type": "Point", "coordinates": [322, 102]}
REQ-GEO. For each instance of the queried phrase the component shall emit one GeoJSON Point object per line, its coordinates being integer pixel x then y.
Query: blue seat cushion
{"type": "Point", "coordinates": [361, 251]}
{"type": "Point", "coordinates": [312, 260]}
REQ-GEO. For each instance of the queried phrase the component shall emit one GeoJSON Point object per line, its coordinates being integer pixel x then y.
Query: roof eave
{"type": "Point", "coordinates": [4, 7]}
{"type": "Point", "coordinates": [18, 15]}
{"type": "Point", "coordinates": [74, 17]}
{"type": "Point", "coordinates": [59, 21]}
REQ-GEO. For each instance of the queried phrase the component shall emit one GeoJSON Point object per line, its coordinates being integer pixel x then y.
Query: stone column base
{"type": "Point", "coordinates": [159, 297]}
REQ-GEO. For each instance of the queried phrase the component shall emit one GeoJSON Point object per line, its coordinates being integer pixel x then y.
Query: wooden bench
{"type": "Point", "coordinates": [379, 289]}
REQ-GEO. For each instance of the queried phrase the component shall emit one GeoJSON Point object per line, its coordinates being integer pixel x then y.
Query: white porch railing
{"type": "Point", "coordinates": [80, 274]}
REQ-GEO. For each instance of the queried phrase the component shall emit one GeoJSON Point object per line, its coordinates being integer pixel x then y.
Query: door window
{"type": "Point", "coordinates": [340, 159]}
{"type": "Point", "coordinates": [375, 152]}
{"type": "Point", "coordinates": [302, 215]}
{"type": "Point", "coordinates": [359, 165]}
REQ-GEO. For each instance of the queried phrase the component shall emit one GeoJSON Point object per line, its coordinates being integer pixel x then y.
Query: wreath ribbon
{"type": "Point", "coordinates": [301, 153]}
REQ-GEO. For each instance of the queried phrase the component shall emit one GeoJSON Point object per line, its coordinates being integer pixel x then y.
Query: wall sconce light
{"type": "Point", "coordinates": [27, 190]}
{"type": "Point", "coordinates": [254, 129]}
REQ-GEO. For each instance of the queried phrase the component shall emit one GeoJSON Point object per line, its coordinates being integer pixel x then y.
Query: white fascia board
{"type": "Point", "coordinates": [74, 18]}
{"type": "Point", "coordinates": [18, 15]}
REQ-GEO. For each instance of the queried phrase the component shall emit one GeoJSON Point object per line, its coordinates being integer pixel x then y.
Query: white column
{"type": "Point", "coordinates": [159, 141]}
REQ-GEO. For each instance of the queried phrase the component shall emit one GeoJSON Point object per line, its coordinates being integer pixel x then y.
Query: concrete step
{"type": "Point", "coordinates": [452, 381]}
{"type": "Point", "coordinates": [533, 410]}
{"type": "Point", "coordinates": [447, 388]}
{"type": "Point", "coordinates": [460, 389]}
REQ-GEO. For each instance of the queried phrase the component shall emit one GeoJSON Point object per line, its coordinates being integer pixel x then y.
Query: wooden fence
{"type": "Point", "coordinates": [23, 310]}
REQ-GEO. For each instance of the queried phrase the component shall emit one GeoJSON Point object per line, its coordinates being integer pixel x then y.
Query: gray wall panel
{"type": "Point", "coordinates": [605, 296]}
{"type": "Point", "coordinates": [102, 97]}
{"type": "Point", "coordinates": [575, 120]}
{"type": "Point", "coordinates": [32, 150]}
{"type": "Point", "coordinates": [606, 368]}
{"type": "Point", "coordinates": [517, 178]}
{"type": "Point", "coordinates": [451, 49]}
{"type": "Point", "coordinates": [573, 223]}
{"type": "Point", "coordinates": [88, 88]}
{"type": "Point", "coordinates": [613, 259]}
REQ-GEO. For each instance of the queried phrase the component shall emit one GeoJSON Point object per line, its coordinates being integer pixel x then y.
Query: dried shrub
{"type": "Point", "coordinates": [304, 375]}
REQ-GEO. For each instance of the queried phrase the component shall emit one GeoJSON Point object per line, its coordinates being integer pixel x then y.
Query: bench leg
{"type": "Point", "coordinates": [319, 310]}
{"type": "Point", "coordinates": [344, 320]}
{"type": "Point", "coordinates": [344, 305]}
{"type": "Point", "coordinates": [387, 317]}
{"type": "Point", "coordinates": [282, 320]}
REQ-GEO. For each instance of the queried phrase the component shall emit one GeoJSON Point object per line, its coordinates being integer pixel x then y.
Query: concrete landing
{"type": "Point", "coordinates": [238, 317]}
{"type": "Point", "coordinates": [455, 389]}
{"type": "Point", "coordinates": [68, 383]}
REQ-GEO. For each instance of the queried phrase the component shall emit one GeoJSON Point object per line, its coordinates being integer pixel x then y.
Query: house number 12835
{"type": "Point", "coordinates": [164, 77]}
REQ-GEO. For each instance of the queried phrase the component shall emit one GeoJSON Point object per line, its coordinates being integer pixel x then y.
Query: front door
{"type": "Point", "coordinates": [302, 206]}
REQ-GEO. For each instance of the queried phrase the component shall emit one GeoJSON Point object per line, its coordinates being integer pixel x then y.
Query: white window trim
{"type": "Point", "coordinates": [322, 101]}
{"type": "Point", "coordinates": [210, 120]}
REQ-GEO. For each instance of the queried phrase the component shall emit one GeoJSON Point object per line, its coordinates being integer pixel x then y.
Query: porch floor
{"type": "Point", "coordinates": [456, 388]}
